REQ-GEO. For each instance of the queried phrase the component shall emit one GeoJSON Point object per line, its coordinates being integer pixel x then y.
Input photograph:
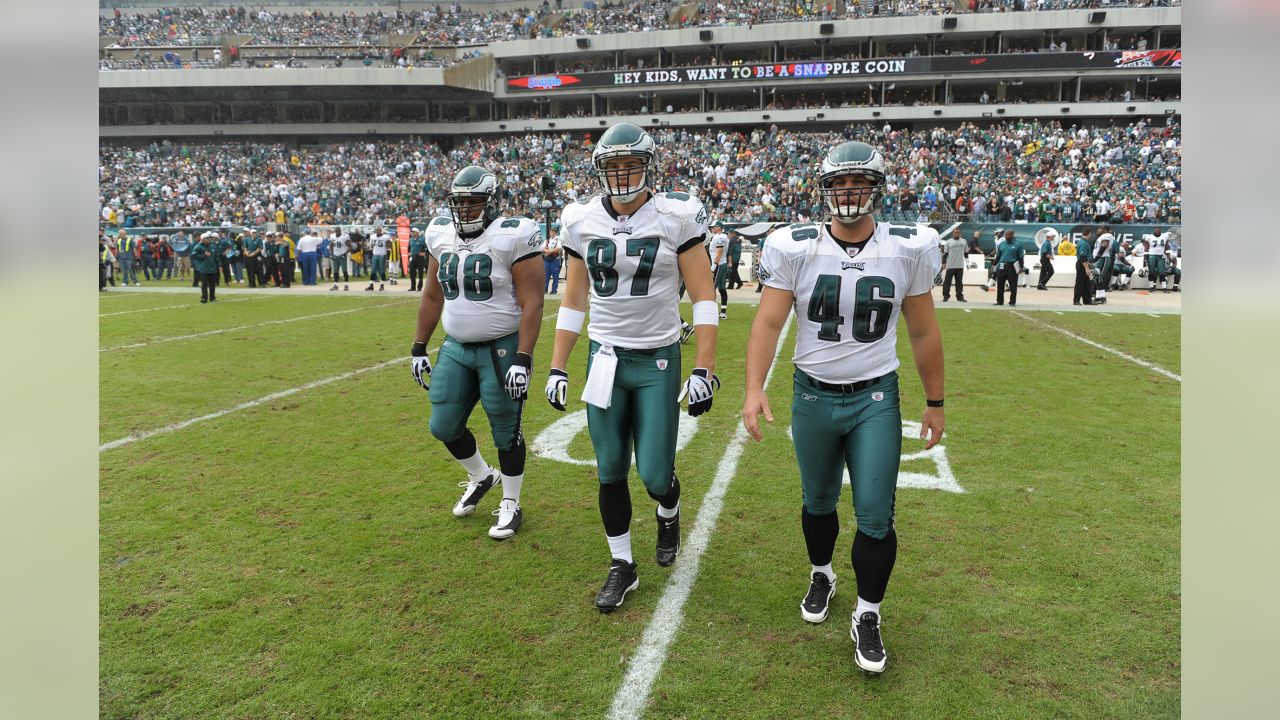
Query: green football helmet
{"type": "Point", "coordinates": [847, 204]}
{"type": "Point", "coordinates": [473, 182]}
{"type": "Point", "coordinates": [624, 140]}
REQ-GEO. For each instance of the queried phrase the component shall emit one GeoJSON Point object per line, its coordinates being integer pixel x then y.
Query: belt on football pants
{"type": "Point", "coordinates": [484, 343]}
{"type": "Point", "coordinates": [845, 388]}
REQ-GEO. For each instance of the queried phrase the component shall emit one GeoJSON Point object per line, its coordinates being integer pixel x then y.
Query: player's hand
{"type": "Point", "coordinates": [753, 407]}
{"type": "Point", "coordinates": [518, 376]}
{"type": "Point", "coordinates": [421, 365]}
{"type": "Point", "coordinates": [700, 391]}
{"type": "Point", "coordinates": [931, 425]}
{"type": "Point", "coordinates": [558, 388]}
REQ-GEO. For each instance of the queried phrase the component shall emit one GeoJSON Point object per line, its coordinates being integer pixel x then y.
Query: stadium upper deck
{"type": "Point", "coordinates": [911, 68]}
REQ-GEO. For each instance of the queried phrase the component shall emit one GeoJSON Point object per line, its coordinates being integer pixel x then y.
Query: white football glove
{"type": "Point", "coordinates": [558, 389]}
{"type": "Point", "coordinates": [421, 365]}
{"type": "Point", "coordinates": [700, 391]}
{"type": "Point", "coordinates": [518, 376]}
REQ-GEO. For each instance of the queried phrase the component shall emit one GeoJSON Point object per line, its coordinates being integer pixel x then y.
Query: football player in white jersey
{"type": "Point", "coordinates": [1156, 265]}
{"type": "Point", "coordinates": [719, 249]}
{"type": "Point", "coordinates": [1104, 259]}
{"type": "Point", "coordinates": [487, 285]}
{"type": "Point", "coordinates": [847, 280]}
{"type": "Point", "coordinates": [379, 246]}
{"type": "Point", "coordinates": [627, 250]}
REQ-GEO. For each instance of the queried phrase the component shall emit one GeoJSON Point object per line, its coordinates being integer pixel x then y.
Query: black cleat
{"type": "Point", "coordinates": [622, 580]}
{"type": "Point", "coordinates": [473, 493]}
{"type": "Point", "coordinates": [668, 538]}
{"type": "Point", "coordinates": [868, 650]}
{"type": "Point", "coordinates": [686, 332]}
{"type": "Point", "coordinates": [818, 600]}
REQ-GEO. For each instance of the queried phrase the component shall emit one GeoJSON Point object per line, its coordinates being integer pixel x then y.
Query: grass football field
{"type": "Point", "coordinates": [283, 546]}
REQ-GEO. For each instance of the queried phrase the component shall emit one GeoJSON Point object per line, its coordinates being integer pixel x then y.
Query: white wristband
{"type": "Point", "coordinates": [705, 312]}
{"type": "Point", "coordinates": [570, 319]}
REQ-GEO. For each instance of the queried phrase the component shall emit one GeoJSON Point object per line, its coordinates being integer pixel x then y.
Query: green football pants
{"type": "Point", "coordinates": [721, 276]}
{"type": "Point", "coordinates": [860, 430]}
{"type": "Point", "coordinates": [1156, 267]}
{"type": "Point", "coordinates": [469, 372]}
{"type": "Point", "coordinates": [643, 414]}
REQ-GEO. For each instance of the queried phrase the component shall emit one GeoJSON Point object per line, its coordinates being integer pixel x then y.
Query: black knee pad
{"type": "Point", "coordinates": [463, 446]}
{"type": "Point", "coordinates": [672, 495]}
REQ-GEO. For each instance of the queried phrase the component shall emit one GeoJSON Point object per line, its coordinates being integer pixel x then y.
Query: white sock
{"type": "Point", "coordinates": [1102, 294]}
{"type": "Point", "coordinates": [511, 486]}
{"type": "Point", "coordinates": [620, 546]}
{"type": "Point", "coordinates": [475, 466]}
{"type": "Point", "coordinates": [825, 570]}
{"type": "Point", "coordinates": [864, 606]}
{"type": "Point", "coordinates": [668, 514]}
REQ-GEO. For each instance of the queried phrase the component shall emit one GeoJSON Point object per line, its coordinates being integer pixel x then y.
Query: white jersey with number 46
{"type": "Point", "coordinates": [847, 307]}
{"type": "Point", "coordinates": [475, 275]}
{"type": "Point", "coordinates": [631, 263]}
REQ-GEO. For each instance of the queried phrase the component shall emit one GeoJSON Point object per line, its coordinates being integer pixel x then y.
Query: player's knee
{"type": "Point", "coordinates": [821, 504]}
{"type": "Point", "coordinates": [875, 525]}
{"type": "Point", "coordinates": [666, 494]}
{"type": "Point", "coordinates": [445, 432]}
{"type": "Point", "coordinates": [504, 437]}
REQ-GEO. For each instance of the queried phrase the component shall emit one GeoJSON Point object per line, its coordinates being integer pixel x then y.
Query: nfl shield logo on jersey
{"type": "Point", "coordinates": [502, 352]}
{"type": "Point", "coordinates": [662, 364]}
{"type": "Point", "coordinates": [877, 396]}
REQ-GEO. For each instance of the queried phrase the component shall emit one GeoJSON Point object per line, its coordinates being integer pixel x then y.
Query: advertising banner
{"type": "Point", "coordinates": [878, 68]}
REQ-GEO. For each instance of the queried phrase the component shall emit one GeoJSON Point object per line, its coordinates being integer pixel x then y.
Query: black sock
{"type": "Point", "coordinates": [615, 508]}
{"type": "Point", "coordinates": [820, 533]}
{"type": "Point", "coordinates": [464, 446]}
{"type": "Point", "coordinates": [872, 563]}
{"type": "Point", "coordinates": [511, 460]}
{"type": "Point", "coordinates": [672, 497]}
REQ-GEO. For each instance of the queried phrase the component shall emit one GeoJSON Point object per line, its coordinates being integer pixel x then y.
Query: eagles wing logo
{"type": "Point", "coordinates": [535, 239]}
{"type": "Point", "coordinates": [853, 266]}
{"type": "Point", "coordinates": [763, 273]}
{"type": "Point", "coordinates": [702, 216]}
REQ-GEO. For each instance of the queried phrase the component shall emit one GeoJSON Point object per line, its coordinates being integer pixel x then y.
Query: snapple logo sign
{"type": "Point", "coordinates": [545, 82]}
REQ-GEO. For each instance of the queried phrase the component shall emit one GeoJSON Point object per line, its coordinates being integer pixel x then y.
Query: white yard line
{"type": "Point", "coordinates": [1153, 315]}
{"type": "Point", "coordinates": [1058, 312]}
{"type": "Point", "coordinates": [253, 403]}
{"type": "Point", "coordinates": [968, 310]}
{"type": "Point", "coordinates": [647, 661]}
{"type": "Point", "coordinates": [246, 405]}
{"type": "Point", "coordinates": [246, 327]}
{"type": "Point", "coordinates": [1105, 313]}
{"type": "Point", "coordinates": [172, 307]}
{"type": "Point", "coordinates": [1100, 346]}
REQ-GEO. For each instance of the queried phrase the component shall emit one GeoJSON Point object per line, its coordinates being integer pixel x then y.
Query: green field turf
{"type": "Point", "coordinates": [298, 558]}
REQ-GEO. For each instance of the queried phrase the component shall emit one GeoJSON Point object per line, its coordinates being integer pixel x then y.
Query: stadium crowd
{"type": "Point", "coordinates": [1007, 171]}
{"type": "Point", "coordinates": [457, 25]}
{"type": "Point", "coordinates": [443, 25]}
